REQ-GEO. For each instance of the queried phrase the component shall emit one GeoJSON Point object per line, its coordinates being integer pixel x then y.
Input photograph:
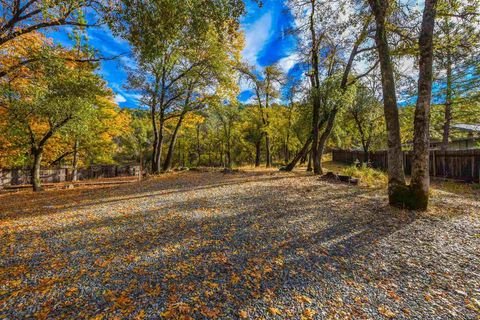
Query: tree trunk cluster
{"type": "Point", "coordinates": [416, 195]}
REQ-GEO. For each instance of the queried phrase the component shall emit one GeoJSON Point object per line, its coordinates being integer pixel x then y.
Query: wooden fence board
{"type": "Point", "coordinates": [453, 164]}
{"type": "Point", "coordinates": [17, 177]}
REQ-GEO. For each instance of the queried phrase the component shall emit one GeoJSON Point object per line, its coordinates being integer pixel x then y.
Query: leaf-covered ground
{"type": "Point", "coordinates": [249, 245]}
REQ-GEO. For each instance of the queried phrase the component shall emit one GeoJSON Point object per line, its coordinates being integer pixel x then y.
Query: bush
{"type": "Point", "coordinates": [368, 176]}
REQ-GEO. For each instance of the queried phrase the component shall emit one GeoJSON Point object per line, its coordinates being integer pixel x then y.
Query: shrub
{"type": "Point", "coordinates": [368, 176]}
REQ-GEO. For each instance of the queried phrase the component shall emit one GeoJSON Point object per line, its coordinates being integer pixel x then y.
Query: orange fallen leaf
{"type": "Point", "coordinates": [386, 312]}
{"type": "Point", "coordinates": [235, 279]}
{"type": "Point", "coordinates": [308, 314]}
{"type": "Point", "coordinates": [302, 298]}
{"type": "Point", "coordinates": [275, 311]}
{"type": "Point", "coordinates": [243, 314]}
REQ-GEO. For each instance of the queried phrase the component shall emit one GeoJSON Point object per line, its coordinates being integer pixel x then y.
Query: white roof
{"type": "Point", "coordinates": [467, 127]}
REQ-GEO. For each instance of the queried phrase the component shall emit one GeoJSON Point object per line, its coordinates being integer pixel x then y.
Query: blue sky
{"type": "Point", "coordinates": [266, 42]}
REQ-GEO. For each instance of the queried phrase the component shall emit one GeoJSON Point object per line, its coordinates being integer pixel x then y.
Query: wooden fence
{"type": "Point", "coordinates": [21, 176]}
{"type": "Point", "coordinates": [452, 164]}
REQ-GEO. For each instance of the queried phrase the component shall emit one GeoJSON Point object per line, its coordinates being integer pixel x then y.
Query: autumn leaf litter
{"type": "Point", "coordinates": [206, 245]}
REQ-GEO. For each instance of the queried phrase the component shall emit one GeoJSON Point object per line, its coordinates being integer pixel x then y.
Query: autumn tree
{"type": "Point", "coordinates": [252, 130]}
{"type": "Point", "coordinates": [266, 87]}
{"type": "Point", "coordinates": [415, 197]}
{"type": "Point", "coordinates": [174, 42]}
{"type": "Point", "coordinates": [21, 18]}
{"type": "Point", "coordinates": [330, 51]}
{"type": "Point", "coordinates": [366, 113]}
{"type": "Point", "coordinates": [45, 99]}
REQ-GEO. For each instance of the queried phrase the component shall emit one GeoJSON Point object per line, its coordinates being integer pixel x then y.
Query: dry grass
{"type": "Point", "coordinates": [369, 177]}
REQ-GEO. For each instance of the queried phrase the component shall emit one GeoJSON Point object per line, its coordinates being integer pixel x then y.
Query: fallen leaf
{"type": "Point", "coordinates": [386, 312]}
{"type": "Point", "coordinates": [243, 314]}
{"type": "Point", "coordinates": [308, 314]}
{"type": "Point", "coordinates": [235, 279]}
{"type": "Point", "coordinates": [304, 299]}
{"type": "Point", "coordinates": [275, 311]}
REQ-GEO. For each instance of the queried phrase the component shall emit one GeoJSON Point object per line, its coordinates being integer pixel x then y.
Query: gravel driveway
{"type": "Point", "coordinates": [252, 245]}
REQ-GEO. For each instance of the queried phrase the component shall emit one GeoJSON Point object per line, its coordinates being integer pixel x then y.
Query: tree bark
{"type": "Point", "coordinates": [309, 165]}
{"type": "Point", "coordinates": [268, 156]}
{"type": "Point", "coordinates": [304, 157]}
{"type": "Point", "coordinates": [75, 162]}
{"type": "Point", "coordinates": [366, 150]}
{"type": "Point", "coordinates": [258, 152]}
{"type": "Point", "coordinates": [287, 138]}
{"type": "Point", "coordinates": [448, 103]}
{"type": "Point", "coordinates": [228, 155]}
{"type": "Point", "coordinates": [155, 139]}
{"type": "Point", "coordinates": [420, 182]}
{"type": "Point", "coordinates": [315, 132]}
{"type": "Point", "coordinates": [168, 159]}
{"type": "Point", "coordinates": [315, 82]}
{"type": "Point", "coordinates": [325, 135]}
{"type": "Point", "coordinates": [35, 172]}
{"type": "Point", "coordinates": [397, 189]}
{"type": "Point", "coordinates": [300, 155]}
{"type": "Point", "coordinates": [159, 147]}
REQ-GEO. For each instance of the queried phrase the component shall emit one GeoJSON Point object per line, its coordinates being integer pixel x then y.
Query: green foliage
{"type": "Point", "coordinates": [362, 123]}
{"type": "Point", "coordinates": [59, 102]}
{"type": "Point", "coordinates": [153, 27]}
{"type": "Point", "coordinates": [465, 112]}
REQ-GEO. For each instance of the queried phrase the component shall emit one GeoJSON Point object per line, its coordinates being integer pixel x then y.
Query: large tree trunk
{"type": "Point", "coordinates": [309, 165]}
{"type": "Point", "coordinates": [315, 83]}
{"type": "Point", "coordinates": [159, 147]}
{"type": "Point", "coordinates": [325, 135]}
{"type": "Point", "coordinates": [315, 119]}
{"type": "Point", "coordinates": [228, 155]}
{"type": "Point", "coordinates": [420, 182]}
{"type": "Point", "coordinates": [258, 152]}
{"type": "Point", "coordinates": [75, 162]}
{"type": "Point", "coordinates": [300, 155]}
{"type": "Point", "coordinates": [287, 138]}
{"type": "Point", "coordinates": [448, 104]}
{"type": "Point", "coordinates": [366, 150]}
{"type": "Point", "coordinates": [155, 140]}
{"type": "Point", "coordinates": [168, 159]}
{"type": "Point", "coordinates": [397, 189]}
{"type": "Point", "coordinates": [304, 157]}
{"type": "Point", "coordinates": [35, 172]}
{"type": "Point", "coordinates": [268, 156]}
{"type": "Point", "coordinates": [286, 152]}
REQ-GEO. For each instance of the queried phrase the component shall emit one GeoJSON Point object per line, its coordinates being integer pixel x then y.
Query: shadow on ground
{"type": "Point", "coordinates": [204, 246]}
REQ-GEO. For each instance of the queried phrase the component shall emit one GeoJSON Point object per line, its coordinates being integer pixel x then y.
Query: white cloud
{"type": "Point", "coordinates": [256, 36]}
{"type": "Point", "coordinates": [119, 98]}
{"type": "Point", "coordinates": [134, 96]}
{"type": "Point", "coordinates": [287, 63]}
{"type": "Point", "coordinates": [244, 84]}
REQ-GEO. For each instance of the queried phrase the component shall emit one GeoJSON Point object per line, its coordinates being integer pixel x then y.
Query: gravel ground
{"type": "Point", "coordinates": [252, 245]}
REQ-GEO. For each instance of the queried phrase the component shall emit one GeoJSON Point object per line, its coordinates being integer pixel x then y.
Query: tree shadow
{"type": "Point", "coordinates": [210, 255]}
{"type": "Point", "coordinates": [13, 206]}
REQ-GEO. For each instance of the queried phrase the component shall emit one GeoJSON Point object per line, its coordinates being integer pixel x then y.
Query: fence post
{"type": "Point", "coordinates": [473, 168]}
